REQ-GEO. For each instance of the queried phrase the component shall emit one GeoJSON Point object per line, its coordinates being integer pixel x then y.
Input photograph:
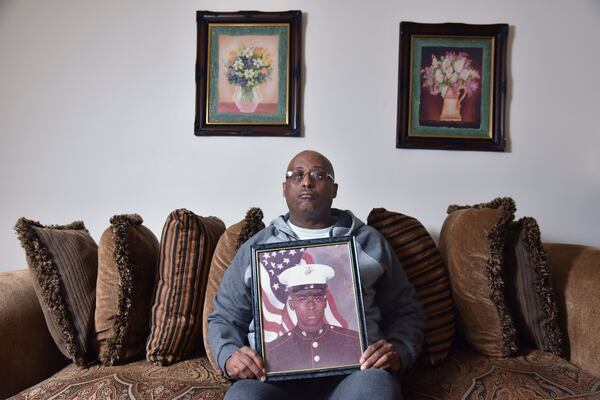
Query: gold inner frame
{"type": "Point", "coordinates": [208, 82]}
{"type": "Point", "coordinates": [410, 93]}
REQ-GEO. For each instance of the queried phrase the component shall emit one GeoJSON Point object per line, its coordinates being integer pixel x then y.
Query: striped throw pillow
{"type": "Point", "coordinates": [186, 249]}
{"type": "Point", "coordinates": [528, 279]}
{"type": "Point", "coordinates": [64, 264]}
{"type": "Point", "coordinates": [127, 261]}
{"type": "Point", "coordinates": [426, 271]}
{"type": "Point", "coordinates": [226, 249]}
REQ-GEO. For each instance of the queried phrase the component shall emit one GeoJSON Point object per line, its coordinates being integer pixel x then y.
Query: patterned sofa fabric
{"type": "Point", "coordinates": [531, 375]}
{"type": "Point", "coordinates": [466, 374]}
{"type": "Point", "coordinates": [193, 379]}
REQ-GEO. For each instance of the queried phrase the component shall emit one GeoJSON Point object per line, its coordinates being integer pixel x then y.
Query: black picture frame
{"type": "Point", "coordinates": [290, 352]}
{"type": "Point", "coordinates": [452, 86]}
{"type": "Point", "coordinates": [240, 54]}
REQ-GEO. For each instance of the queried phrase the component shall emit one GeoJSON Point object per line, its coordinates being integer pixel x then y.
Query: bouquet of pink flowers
{"type": "Point", "coordinates": [451, 71]}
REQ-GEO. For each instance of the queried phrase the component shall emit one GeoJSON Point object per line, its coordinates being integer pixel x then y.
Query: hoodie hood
{"type": "Point", "coordinates": [345, 225]}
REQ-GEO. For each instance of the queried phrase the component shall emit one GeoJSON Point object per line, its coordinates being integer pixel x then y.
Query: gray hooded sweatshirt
{"type": "Point", "coordinates": [392, 311]}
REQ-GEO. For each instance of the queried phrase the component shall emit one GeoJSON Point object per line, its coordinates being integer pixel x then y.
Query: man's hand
{"type": "Point", "coordinates": [245, 363]}
{"type": "Point", "coordinates": [381, 354]}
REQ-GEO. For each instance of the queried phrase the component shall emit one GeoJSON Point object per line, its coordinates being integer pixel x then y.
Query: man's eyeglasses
{"type": "Point", "coordinates": [316, 175]}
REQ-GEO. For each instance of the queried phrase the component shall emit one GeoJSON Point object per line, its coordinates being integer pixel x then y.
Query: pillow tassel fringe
{"type": "Point", "coordinates": [120, 226]}
{"type": "Point", "coordinates": [544, 287]}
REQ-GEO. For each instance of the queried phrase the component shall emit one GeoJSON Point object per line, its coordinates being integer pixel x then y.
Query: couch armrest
{"type": "Point", "coordinates": [576, 277]}
{"type": "Point", "coordinates": [28, 354]}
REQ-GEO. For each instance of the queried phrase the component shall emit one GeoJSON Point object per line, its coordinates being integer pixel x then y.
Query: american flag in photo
{"type": "Point", "coordinates": [277, 318]}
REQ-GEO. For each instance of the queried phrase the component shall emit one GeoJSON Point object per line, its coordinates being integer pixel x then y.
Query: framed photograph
{"type": "Point", "coordinates": [308, 312]}
{"type": "Point", "coordinates": [451, 86]}
{"type": "Point", "coordinates": [248, 73]}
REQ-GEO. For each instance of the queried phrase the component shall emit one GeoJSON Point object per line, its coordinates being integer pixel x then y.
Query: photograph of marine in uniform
{"type": "Point", "coordinates": [310, 316]}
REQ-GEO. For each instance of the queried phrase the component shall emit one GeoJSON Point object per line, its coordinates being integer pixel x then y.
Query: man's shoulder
{"type": "Point", "coordinates": [343, 332]}
{"type": "Point", "coordinates": [366, 235]}
{"type": "Point", "coordinates": [281, 340]}
{"type": "Point", "coordinates": [369, 230]}
{"type": "Point", "coordinates": [264, 232]}
{"type": "Point", "coordinates": [261, 237]}
{"type": "Point", "coordinates": [268, 234]}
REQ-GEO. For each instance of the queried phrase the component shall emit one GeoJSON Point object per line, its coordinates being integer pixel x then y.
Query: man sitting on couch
{"type": "Point", "coordinates": [393, 315]}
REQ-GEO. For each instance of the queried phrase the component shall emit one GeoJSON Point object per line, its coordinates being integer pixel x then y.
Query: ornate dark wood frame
{"type": "Point", "coordinates": [292, 127]}
{"type": "Point", "coordinates": [496, 141]}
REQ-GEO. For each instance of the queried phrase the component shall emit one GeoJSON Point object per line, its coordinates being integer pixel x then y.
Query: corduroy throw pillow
{"type": "Point", "coordinates": [227, 247]}
{"type": "Point", "coordinates": [64, 263]}
{"type": "Point", "coordinates": [528, 279]}
{"type": "Point", "coordinates": [426, 271]}
{"type": "Point", "coordinates": [472, 245]}
{"type": "Point", "coordinates": [186, 248]}
{"type": "Point", "coordinates": [127, 262]}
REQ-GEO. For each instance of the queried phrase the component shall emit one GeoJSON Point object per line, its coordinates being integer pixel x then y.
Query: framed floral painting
{"type": "Point", "coordinates": [452, 86]}
{"type": "Point", "coordinates": [248, 73]}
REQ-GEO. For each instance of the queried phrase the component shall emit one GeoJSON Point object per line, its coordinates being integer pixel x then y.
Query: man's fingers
{"type": "Point", "coordinates": [245, 363]}
{"type": "Point", "coordinates": [255, 362]}
{"type": "Point", "coordinates": [371, 355]}
{"type": "Point", "coordinates": [250, 364]}
{"type": "Point", "coordinates": [384, 361]}
{"type": "Point", "coordinates": [371, 349]}
{"type": "Point", "coordinates": [256, 358]}
{"type": "Point", "coordinates": [378, 355]}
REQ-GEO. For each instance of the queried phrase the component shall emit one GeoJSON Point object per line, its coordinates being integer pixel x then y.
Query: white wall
{"type": "Point", "coordinates": [97, 112]}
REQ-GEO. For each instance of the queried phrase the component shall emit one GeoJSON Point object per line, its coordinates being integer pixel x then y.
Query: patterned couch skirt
{"type": "Point", "coordinates": [191, 380]}
{"type": "Point", "coordinates": [465, 375]}
{"type": "Point", "coordinates": [533, 375]}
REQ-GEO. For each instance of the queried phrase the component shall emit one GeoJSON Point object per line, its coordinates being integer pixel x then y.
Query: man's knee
{"type": "Point", "coordinates": [370, 383]}
{"type": "Point", "coordinates": [374, 375]}
{"type": "Point", "coordinates": [250, 389]}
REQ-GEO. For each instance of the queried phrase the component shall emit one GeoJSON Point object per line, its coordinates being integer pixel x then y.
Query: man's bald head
{"type": "Point", "coordinates": [326, 164]}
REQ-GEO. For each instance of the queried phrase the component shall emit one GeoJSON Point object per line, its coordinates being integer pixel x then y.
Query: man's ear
{"type": "Point", "coordinates": [290, 305]}
{"type": "Point", "coordinates": [335, 188]}
{"type": "Point", "coordinates": [283, 189]}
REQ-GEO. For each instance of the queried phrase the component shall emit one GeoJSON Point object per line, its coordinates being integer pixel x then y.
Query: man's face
{"type": "Point", "coordinates": [309, 306]}
{"type": "Point", "coordinates": [309, 200]}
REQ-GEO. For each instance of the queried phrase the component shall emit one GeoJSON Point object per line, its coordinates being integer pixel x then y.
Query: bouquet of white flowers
{"type": "Point", "coordinates": [452, 71]}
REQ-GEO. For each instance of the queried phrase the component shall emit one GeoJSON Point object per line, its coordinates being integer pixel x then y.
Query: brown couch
{"type": "Point", "coordinates": [31, 367]}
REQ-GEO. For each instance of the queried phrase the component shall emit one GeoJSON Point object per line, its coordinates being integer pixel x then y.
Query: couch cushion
{"type": "Point", "coordinates": [472, 243]}
{"type": "Point", "coordinates": [531, 375]}
{"type": "Point", "coordinates": [528, 280]}
{"type": "Point", "coordinates": [186, 249]}
{"type": "Point", "coordinates": [425, 269]}
{"type": "Point", "coordinates": [576, 277]}
{"type": "Point", "coordinates": [127, 261]}
{"type": "Point", "coordinates": [64, 261]}
{"type": "Point", "coordinates": [226, 249]}
{"type": "Point", "coordinates": [191, 379]}
{"type": "Point", "coordinates": [25, 359]}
